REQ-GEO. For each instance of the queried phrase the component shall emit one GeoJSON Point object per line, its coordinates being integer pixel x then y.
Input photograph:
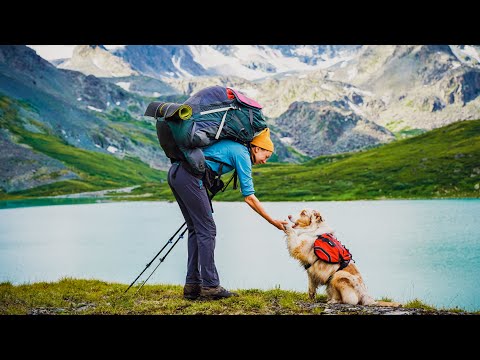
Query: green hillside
{"type": "Point", "coordinates": [443, 163]}
{"type": "Point", "coordinates": [97, 171]}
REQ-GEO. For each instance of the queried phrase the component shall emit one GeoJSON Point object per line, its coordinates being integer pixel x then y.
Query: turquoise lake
{"type": "Point", "coordinates": [405, 249]}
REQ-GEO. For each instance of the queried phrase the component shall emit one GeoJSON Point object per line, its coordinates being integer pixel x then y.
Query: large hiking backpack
{"type": "Point", "coordinates": [211, 114]}
{"type": "Point", "coordinates": [330, 250]}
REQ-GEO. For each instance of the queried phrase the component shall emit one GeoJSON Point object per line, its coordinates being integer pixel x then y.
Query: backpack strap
{"type": "Point", "coordinates": [177, 164]}
{"type": "Point", "coordinates": [235, 180]}
{"type": "Point", "coordinates": [308, 265]}
{"type": "Point", "coordinates": [218, 176]}
{"type": "Point", "coordinates": [217, 135]}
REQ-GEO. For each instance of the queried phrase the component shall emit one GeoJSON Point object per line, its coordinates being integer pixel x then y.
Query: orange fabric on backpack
{"type": "Point", "coordinates": [330, 250]}
{"type": "Point", "coordinates": [230, 94]}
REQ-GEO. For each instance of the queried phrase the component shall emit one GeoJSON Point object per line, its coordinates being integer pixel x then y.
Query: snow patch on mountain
{"type": "Point", "coordinates": [253, 62]}
{"type": "Point", "coordinates": [472, 52]}
{"type": "Point", "coordinates": [114, 47]}
{"type": "Point", "coordinates": [176, 61]}
{"type": "Point", "coordinates": [467, 54]}
{"type": "Point", "coordinates": [124, 85]}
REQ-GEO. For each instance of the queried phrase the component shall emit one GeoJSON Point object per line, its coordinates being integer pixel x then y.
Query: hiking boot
{"type": "Point", "coordinates": [215, 293]}
{"type": "Point", "coordinates": [191, 291]}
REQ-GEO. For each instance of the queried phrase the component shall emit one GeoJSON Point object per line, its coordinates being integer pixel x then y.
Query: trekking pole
{"type": "Point", "coordinates": [168, 242]}
{"type": "Point", "coordinates": [150, 263]}
{"type": "Point", "coordinates": [163, 258]}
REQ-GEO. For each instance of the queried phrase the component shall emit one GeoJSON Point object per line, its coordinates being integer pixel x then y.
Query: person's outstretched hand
{"type": "Point", "coordinates": [280, 224]}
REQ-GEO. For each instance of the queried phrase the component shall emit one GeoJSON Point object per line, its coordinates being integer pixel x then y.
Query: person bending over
{"type": "Point", "coordinates": [202, 279]}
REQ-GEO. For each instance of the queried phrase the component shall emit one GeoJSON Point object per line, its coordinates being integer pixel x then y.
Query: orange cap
{"type": "Point", "coordinates": [263, 140]}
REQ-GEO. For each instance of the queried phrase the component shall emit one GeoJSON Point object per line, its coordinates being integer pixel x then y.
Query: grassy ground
{"type": "Point", "coordinates": [86, 297]}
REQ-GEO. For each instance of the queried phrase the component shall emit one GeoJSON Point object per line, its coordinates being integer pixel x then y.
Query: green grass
{"type": "Point", "coordinates": [83, 297]}
{"type": "Point", "coordinates": [408, 132]}
{"type": "Point", "coordinates": [137, 130]}
{"type": "Point", "coordinates": [443, 163]}
{"type": "Point", "coordinates": [417, 304]}
{"type": "Point", "coordinates": [296, 154]}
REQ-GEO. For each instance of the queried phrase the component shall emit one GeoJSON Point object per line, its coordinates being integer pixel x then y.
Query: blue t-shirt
{"type": "Point", "coordinates": [237, 157]}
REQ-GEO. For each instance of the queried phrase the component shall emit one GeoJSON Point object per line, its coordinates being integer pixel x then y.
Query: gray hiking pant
{"type": "Point", "coordinates": [193, 200]}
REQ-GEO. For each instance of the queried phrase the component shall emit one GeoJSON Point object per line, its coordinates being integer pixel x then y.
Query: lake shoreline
{"type": "Point", "coordinates": [78, 199]}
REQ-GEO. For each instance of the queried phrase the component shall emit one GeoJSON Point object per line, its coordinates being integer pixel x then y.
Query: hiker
{"type": "Point", "coordinates": [202, 278]}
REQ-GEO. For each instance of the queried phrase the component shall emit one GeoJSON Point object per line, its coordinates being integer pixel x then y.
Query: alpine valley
{"type": "Point", "coordinates": [348, 121]}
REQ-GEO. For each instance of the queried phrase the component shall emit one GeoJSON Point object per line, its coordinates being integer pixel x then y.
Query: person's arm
{"type": "Point", "coordinates": [256, 205]}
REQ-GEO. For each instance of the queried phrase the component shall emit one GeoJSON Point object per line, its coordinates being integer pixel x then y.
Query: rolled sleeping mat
{"type": "Point", "coordinates": [169, 110]}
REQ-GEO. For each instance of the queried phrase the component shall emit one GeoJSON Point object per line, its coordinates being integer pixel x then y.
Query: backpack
{"type": "Point", "coordinates": [330, 250]}
{"type": "Point", "coordinates": [211, 114]}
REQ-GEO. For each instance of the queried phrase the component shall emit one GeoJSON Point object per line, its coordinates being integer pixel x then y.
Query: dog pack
{"type": "Point", "coordinates": [330, 250]}
{"type": "Point", "coordinates": [211, 114]}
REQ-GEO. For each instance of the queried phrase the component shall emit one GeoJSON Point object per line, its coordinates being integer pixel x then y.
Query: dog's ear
{"type": "Point", "coordinates": [317, 216]}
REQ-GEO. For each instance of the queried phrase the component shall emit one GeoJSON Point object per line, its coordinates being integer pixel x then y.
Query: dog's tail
{"type": "Point", "coordinates": [387, 303]}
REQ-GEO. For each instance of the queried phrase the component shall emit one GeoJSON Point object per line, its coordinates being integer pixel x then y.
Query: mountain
{"type": "Point", "coordinates": [249, 62]}
{"type": "Point", "coordinates": [143, 85]}
{"type": "Point", "coordinates": [325, 128]}
{"type": "Point", "coordinates": [96, 60]}
{"type": "Point", "coordinates": [413, 86]}
{"type": "Point", "coordinates": [286, 99]}
{"type": "Point", "coordinates": [467, 54]}
{"type": "Point", "coordinates": [66, 107]}
{"type": "Point", "coordinates": [406, 88]}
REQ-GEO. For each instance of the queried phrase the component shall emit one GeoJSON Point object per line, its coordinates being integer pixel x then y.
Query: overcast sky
{"type": "Point", "coordinates": [52, 52]}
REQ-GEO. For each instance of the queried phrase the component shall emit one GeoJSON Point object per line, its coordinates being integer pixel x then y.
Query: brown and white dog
{"type": "Point", "coordinates": [342, 286]}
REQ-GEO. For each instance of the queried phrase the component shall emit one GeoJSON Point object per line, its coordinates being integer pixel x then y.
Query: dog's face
{"type": "Point", "coordinates": [307, 219]}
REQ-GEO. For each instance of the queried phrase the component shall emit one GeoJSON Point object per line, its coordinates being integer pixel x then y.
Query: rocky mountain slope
{"type": "Point", "coordinates": [327, 128]}
{"type": "Point", "coordinates": [414, 86]}
{"type": "Point", "coordinates": [22, 168]}
{"type": "Point", "coordinates": [82, 111]}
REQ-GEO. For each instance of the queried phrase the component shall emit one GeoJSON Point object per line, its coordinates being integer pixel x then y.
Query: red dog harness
{"type": "Point", "coordinates": [329, 249]}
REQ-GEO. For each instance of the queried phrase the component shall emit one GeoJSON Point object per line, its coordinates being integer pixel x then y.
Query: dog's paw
{"type": "Point", "coordinates": [333, 301]}
{"type": "Point", "coordinates": [288, 229]}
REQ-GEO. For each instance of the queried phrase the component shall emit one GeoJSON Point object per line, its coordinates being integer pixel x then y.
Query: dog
{"type": "Point", "coordinates": [342, 285]}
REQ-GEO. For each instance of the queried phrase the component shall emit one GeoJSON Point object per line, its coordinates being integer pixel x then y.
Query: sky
{"type": "Point", "coordinates": [53, 52]}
